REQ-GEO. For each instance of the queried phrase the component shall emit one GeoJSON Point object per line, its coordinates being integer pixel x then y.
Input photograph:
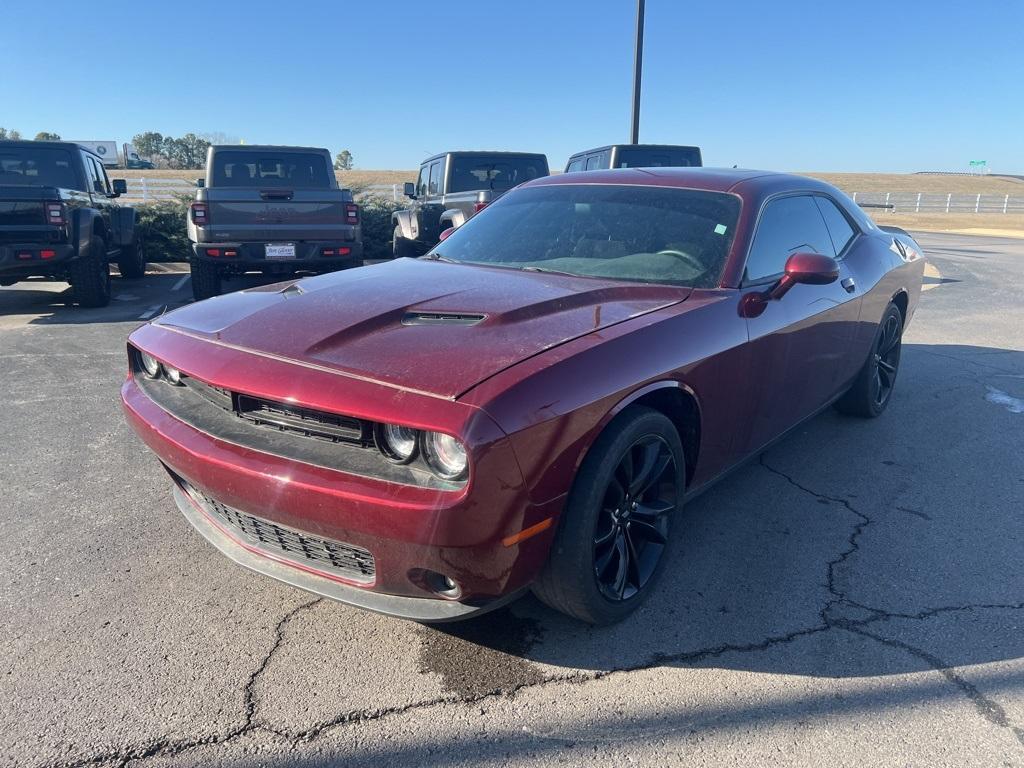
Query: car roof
{"type": "Point", "coordinates": [484, 152]}
{"type": "Point", "coordinates": [263, 148]}
{"type": "Point", "coordinates": [58, 144]}
{"type": "Point", "coordinates": [634, 146]}
{"type": "Point", "coordinates": [711, 179]}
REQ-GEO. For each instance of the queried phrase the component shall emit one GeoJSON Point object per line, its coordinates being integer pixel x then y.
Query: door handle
{"type": "Point", "coordinates": [849, 284]}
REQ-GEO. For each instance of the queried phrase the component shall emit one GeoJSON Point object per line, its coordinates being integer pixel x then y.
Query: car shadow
{"type": "Point", "coordinates": [902, 533]}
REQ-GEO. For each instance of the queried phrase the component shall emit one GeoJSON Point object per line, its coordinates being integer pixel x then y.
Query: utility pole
{"type": "Point", "coordinates": [638, 56]}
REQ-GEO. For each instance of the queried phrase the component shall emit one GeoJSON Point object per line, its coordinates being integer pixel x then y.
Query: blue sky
{"type": "Point", "coordinates": [899, 85]}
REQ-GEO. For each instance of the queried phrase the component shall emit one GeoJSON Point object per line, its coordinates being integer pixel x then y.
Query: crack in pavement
{"type": "Point", "coordinates": [170, 747]}
{"type": "Point", "coordinates": [985, 706]}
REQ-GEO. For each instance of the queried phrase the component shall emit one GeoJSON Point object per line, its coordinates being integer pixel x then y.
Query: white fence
{"type": "Point", "coordinates": [151, 190]}
{"type": "Point", "coordinates": [148, 190]}
{"type": "Point", "coordinates": [920, 202]}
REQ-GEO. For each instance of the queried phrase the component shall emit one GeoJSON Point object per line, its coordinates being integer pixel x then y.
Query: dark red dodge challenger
{"type": "Point", "coordinates": [529, 404]}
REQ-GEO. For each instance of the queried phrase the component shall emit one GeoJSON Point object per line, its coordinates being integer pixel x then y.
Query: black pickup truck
{"type": "Point", "coordinates": [274, 210]}
{"type": "Point", "coordinates": [59, 220]}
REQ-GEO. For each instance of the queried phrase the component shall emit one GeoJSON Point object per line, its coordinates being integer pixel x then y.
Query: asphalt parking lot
{"type": "Point", "coordinates": [855, 597]}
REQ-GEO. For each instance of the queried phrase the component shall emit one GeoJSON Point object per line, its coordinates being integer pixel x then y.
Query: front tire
{"type": "Point", "coordinates": [205, 280]}
{"type": "Point", "coordinates": [872, 389]}
{"type": "Point", "coordinates": [401, 248]}
{"type": "Point", "coordinates": [613, 538]}
{"type": "Point", "coordinates": [89, 274]}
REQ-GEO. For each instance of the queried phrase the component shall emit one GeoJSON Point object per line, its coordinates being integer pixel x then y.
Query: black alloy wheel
{"type": "Point", "coordinates": [632, 526]}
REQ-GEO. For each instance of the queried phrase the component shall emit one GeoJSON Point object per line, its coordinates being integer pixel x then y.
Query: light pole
{"type": "Point", "coordinates": [638, 56]}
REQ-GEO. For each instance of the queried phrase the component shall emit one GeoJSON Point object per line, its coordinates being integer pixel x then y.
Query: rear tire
{"type": "Point", "coordinates": [89, 274]}
{"type": "Point", "coordinates": [872, 389]}
{"type": "Point", "coordinates": [613, 537]}
{"type": "Point", "coordinates": [132, 261]}
{"type": "Point", "coordinates": [401, 248]}
{"type": "Point", "coordinates": [205, 280]}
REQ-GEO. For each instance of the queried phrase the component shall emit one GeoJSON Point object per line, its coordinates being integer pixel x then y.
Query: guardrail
{"type": "Point", "coordinates": [923, 202]}
{"type": "Point", "coordinates": [152, 190]}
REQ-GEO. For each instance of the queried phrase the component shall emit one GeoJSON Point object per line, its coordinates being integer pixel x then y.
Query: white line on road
{"type": "Point", "coordinates": [181, 283]}
{"type": "Point", "coordinates": [150, 312]}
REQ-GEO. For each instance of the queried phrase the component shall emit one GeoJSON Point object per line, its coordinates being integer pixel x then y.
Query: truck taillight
{"type": "Point", "coordinates": [199, 213]}
{"type": "Point", "coordinates": [351, 213]}
{"type": "Point", "coordinates": [479, 206]}
{"type": "Point", "coordinates": [56, 214]}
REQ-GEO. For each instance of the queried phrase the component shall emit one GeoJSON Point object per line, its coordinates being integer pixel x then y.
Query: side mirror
{"type": "Point", "coordinates": [200, 183]}
{"type": "Point", "coordinates": [806, 268]}
{"type": "Point", "coordinates": [445, 234]}
{"type": "Point", "coordinates": [409, 190]}
{"type": "Point", "coordinates": [120, 186]}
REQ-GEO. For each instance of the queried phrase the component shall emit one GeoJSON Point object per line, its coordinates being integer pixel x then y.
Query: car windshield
{"type": "Point", "coordinates": [621, 232]}
{"type": "Point", "coordinates": [479, 172]}
{"type": "Point", "coordinates": [271, 169]}
{"type": "Point", "coordinates": [27, 166]}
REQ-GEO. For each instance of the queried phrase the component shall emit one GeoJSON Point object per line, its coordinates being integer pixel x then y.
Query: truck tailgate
{"type": "Point", "coordinates": [22, 211]}
{"type": "Point", "coordinates": [247, 214]}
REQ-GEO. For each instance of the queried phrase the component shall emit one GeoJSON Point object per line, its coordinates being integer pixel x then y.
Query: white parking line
{"type": "Point", "coordinates": [150, 312]}
{"type": "Point", "coordinates": [181, 283]}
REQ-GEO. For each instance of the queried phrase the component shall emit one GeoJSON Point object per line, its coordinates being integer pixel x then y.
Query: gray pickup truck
{"type": "Point", "coordinates": [451, 188]}
{"type": "Point", "coordinates": [59, 219]}
{"type": "Point", "coordinates": [275, 210]}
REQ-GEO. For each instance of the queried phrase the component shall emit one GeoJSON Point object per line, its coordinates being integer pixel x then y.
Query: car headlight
{"type": "Point", "coordinates": [173, 374]}
{"type": "Point", "coordinates": [149, 364]}
{"type": "Point", "coordinates": [396, 442]}
{"type": "Point", "coordinates": [445, 454]}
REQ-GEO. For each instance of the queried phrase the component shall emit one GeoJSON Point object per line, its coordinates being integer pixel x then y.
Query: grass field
{"type": "Point", "coordinates": [978, 223]}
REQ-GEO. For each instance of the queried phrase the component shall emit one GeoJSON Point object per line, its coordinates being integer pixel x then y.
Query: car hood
{"type": "Point", "coordinates": [422, 325]}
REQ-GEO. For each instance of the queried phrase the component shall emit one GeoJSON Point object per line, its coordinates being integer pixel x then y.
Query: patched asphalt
{"type": "Point", "coordinates": [855, 596]}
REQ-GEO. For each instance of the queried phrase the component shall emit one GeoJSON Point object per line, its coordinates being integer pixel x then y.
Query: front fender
{"type": "Point", "coordinates": [122, 221]}
{"type": "Point", "coordinates": [403, 219]}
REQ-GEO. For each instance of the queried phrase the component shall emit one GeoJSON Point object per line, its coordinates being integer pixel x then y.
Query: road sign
{"type": "Point", "coordinates": [978, 163]}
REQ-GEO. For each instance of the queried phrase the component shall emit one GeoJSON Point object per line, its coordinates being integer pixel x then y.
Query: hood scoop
{"type": "Point", "coordinates": [442, 318]}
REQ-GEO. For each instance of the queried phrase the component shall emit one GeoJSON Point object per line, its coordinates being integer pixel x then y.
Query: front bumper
{"type": "Point", "coordinates": [12, 266]}
{"type": "Point", "coordinates": [414, 608]}
{"type": "Point", "coordinates": [463, 534]}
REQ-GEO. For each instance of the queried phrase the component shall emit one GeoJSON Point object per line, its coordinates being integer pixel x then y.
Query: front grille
{"type": "Point", "coordinates": [285, 417]}
{"type": "Point", "coordinates": [348, 560]}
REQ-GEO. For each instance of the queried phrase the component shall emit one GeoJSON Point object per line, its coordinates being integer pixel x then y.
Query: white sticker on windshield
{"type": "Point", "coordinates": [720, 229]}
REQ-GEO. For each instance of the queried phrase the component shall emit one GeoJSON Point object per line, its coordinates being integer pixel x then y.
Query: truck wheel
{"type": "Point", "coordinates": [89, 274]}
{"type": "Point", "coordinates": [401, 248]}
{"type": "Point", "coordinates": [132, 261]}
{"type": "Point", "coordinates": [205, 280]}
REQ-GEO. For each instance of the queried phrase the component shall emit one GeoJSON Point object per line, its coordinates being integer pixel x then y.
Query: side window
{"type": "Point", "coordinates": [594, 162]}
{"type": "Point", "coordinates": [421, 182]}
{"type": "Point", "coordinates": [101, 175]}
{"type": "Point", "coordinates": [838, 225]}
{"type": "Point", "coordinates": [434, 186]}
{"type": "Point", "coordinates": [574, 165]}
{"type": "Point", "coordinates": [90, 173]}
{"type": "Point", "coordinates": [787, 225]}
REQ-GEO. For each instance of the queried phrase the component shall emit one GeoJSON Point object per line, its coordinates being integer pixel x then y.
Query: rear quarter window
{"type": "Point", "coordinates": [838, 226]}
{"type": "Point", "coordinates": [271, 169]}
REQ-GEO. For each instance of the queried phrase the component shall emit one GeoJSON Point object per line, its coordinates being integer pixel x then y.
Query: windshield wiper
{"type": "Point", "coordinates": [438, 257]}
{"type": "Point", "coordinates": [547, 271]}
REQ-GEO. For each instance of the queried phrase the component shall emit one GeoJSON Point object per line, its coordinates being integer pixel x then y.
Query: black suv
{"type": "Point", "coordinates": [635, 156]}
{"type": "Point", "coordinates": [59, 219]}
